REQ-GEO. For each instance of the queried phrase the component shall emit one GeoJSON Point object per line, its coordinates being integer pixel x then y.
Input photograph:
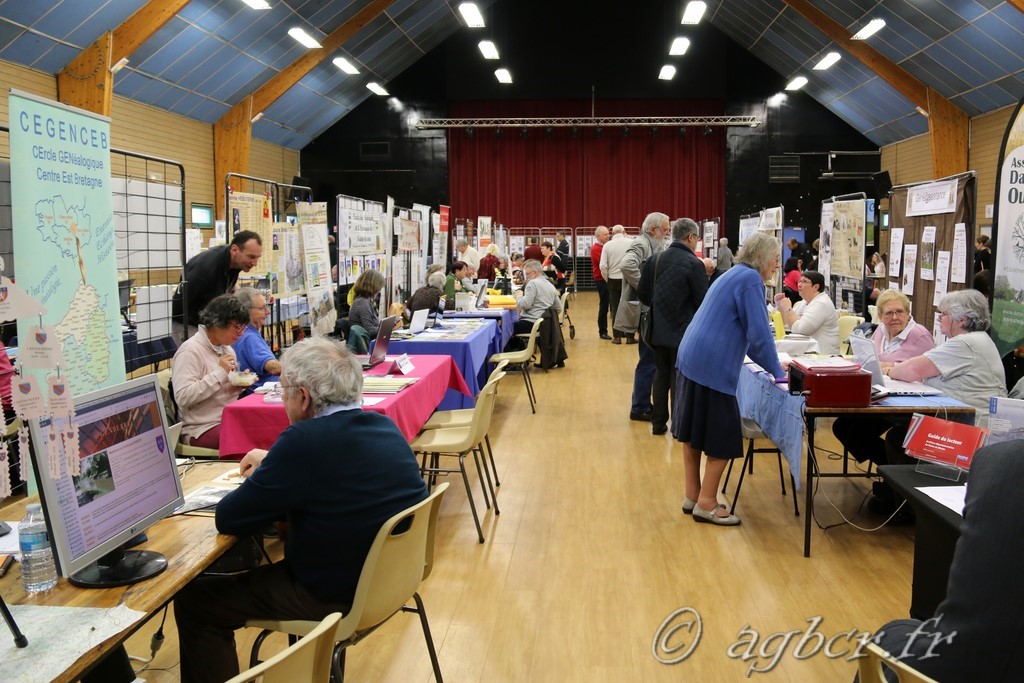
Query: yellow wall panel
{"type": "Point", "coordinates": [27, 80]}
{"type": "Point", "coordinates": [986, 140]}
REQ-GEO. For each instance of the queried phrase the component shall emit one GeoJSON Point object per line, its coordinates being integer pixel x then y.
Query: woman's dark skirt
{"type": "Point", "coordinates": [707, 419]}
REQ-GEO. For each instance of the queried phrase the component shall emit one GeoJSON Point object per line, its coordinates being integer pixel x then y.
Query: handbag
{"type": "Point", "coordinates": [647, 314]}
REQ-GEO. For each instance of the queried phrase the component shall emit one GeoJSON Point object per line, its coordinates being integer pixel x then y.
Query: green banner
{"type": "Point", "coordinates": [64, 234]}
{"type": "Point", "coordinates": [1008, 231]}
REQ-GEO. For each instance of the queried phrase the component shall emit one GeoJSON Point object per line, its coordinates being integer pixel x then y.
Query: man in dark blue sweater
{"type": "Point", "coordinates": [335, 476]}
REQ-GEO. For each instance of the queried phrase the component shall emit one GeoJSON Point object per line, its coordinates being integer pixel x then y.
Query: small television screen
{"type": "Point", "coordinates": [202, 216]}
{"type": "Point", "coordinates": [127, 481]}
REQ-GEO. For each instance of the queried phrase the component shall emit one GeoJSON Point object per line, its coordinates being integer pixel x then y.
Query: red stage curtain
{"type": "Point", "coordinates": [558, 180]}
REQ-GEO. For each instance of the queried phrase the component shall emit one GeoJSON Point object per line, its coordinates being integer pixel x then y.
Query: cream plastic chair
{"type": "Point", "coordinates": [563, 315]}
{"type": "Point", "coordinates": [187, 451]}
{"type": "Point", "coordinates": [873, 312]}
{"type": "Point", "coordinates": [459, 442]}
{"type": "Point", "coordinates": [523, 359]}
{"type": "Point", "coordinates": [846, 325]}
{"type": "Point", "coordinates": [464, 417]}
{"type": "Point", "coordinates": [400, 558]}
{"type": "Point", "coordinates": [307, 660]}
{"type": "Point", "coordinates": [870, 667]}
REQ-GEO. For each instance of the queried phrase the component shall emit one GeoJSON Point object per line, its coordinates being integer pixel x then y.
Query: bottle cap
{"type": "Point", "coordinates": [33, 507]}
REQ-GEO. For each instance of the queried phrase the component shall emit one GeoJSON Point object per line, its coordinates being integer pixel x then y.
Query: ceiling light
{"type": "Point", "coordinates": [693, 12]}
{"type": "Point", "coordinates": [796, 83]}
{"type": "Point", "coordinates": [257, 4]}
{"type": "Point", "coordinates": [303, 37]}
{"type": "Point", "coordinates": [488, 49]}
{"type": "Point", "coordinates": [121, 63]}
{"type": "Point", "coordinates": [256, 118]}
{"type": "Point", "coordinates": [776, 99]}
{"type": "Point", "coordinates": [922, 111]}
{"type": "Point", "coordinates": [871, 29]}
{"type": "Point", "coordinates": [668, 72]}
{"type": "Point", "coordinates": [503, 76]}
{"type": "Point", "coordinates": [471, 13]}
{"type": "Point", "coordinates": [679, 46]}
{"type": "Point", "coordinates": [827, 61]}
{"type": "Point", "coordinates": [345, 65]}
{"type": "Point", "coordinates": [376, 89]}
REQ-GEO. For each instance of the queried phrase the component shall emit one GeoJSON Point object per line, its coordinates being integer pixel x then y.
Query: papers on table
{"type": "Point", "coordinates": [203, 498]}
{"type": "Point", "coordinates": [949, 496]}
{"type": "Point", "coordinates": [229, 478]}
{"type": "Point", "coordinates": [376, 384]}
{"type": "Point", "coordinates": [373, 400]}
{"type": "Point", "coordinates": [9, 543]}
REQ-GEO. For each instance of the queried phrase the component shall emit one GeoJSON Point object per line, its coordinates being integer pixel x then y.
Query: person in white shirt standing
{"type": "Point", "coordinates": [611, 270]}
{"type": "Point", "coordinates": [815, 315]}
{"type": "Point", "coordinates": [468, 255]}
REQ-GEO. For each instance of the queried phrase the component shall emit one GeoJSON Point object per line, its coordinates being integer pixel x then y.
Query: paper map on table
{"type": "Point", "coordinates": [58, 636]}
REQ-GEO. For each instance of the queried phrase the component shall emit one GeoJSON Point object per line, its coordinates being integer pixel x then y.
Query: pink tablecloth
{"type": "Point", "coordinates": [250, 423]}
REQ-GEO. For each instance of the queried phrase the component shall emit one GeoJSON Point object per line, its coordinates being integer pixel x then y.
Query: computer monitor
{"type": "Point", "coordinates": [128, 481]}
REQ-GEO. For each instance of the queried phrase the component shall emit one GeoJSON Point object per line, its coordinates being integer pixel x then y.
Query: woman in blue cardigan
{"type": "Point", "coordinates": [732, 322]}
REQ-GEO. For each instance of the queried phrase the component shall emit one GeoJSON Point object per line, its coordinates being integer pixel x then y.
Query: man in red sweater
{"type": "Point", "coordinates": [600, 237]}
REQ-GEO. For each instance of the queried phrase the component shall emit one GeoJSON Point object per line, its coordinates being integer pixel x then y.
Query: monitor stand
{"type": "Point", "coordinates": [120, 568]}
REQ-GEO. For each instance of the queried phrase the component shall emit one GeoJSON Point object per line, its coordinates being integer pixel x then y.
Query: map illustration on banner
{"type": "Point", "coordinates": [1008, 289]}
{"type": "Point", "coordinates": [64, 234]}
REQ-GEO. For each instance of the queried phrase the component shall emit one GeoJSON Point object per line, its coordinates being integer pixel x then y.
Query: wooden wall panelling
{"type": "Point", "coordinates": [27, 80]}
{"type": "Point", "coordinates": [273, 162]}
{"type": "Point", "coordinates": [986, 140]}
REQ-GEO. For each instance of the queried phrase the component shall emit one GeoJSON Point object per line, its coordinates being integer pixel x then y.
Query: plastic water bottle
{"type": "Point", "coordinates": [38, 572]}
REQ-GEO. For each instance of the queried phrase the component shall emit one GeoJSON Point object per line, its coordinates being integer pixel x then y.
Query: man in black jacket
{"type": "Point", "coordinates": [673, 284]}
{"type": "Point", "coordinates": [210, 274]}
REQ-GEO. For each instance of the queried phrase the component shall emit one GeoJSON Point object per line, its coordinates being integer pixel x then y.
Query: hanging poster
{"type": "Point", "coordinates": [311, 212]}
{"type": "Point", "coordinates": [483, 230]}
{"type": "Point", "coordinates": [710, 239]}
{"type": "Point", "coordinates": [847, 243]}
{"type": "Point", "coordinates": [770, 220]}
{"type": "Point", "coordinates": [315, 255]}
{"type": "Point", "coordinates": [909, 268]}
{"type": "Point", "coordinates": [292, 254]}
{"type": "Point", "coordinates": [895, 251]}
{"type": "Point", "coordinates": [250, 212]}
{"type": "Point", "coordinates": [958, 263]}
{"type": "Point", "coordinates": [444, 215]}
{"type": "Point", "coordinates": [408, 234]}
{"type": "Point", "coordinates": [926, 253]}
{"type": "Point", "coordinates": [62, 211]}
{"type": "Point", "coordinates": [827, 226]}
{"type": "Point", "coordinates": [932, 198]}
{"type": "Point", "coordinates": [941, 276]}
{"type": "Point", "coordinates": [748, 226]}
{"type": "Point", "coordinates": [1008, 228]}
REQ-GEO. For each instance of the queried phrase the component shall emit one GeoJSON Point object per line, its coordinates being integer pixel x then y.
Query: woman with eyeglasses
{"type": "Point", "coordinates": [368, 287]}
{"type": "Point", "coordinates": [899, 337]}
{"type": "Point", "coordinates": [201, 367]}
{"type": "Point", "coordinates": [815, 315]}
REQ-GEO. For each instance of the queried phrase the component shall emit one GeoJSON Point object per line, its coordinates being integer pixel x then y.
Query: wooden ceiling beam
{"type": "Point", "coordinates": [86, 82]}
{"type": "Point", "coordinates": [948, 125]}
{"type": "Point", "coordinates": [139, 27]}
{"type": "Point", "coordinates": [1019, 4]}
{"type": "Point", "coordinates": [232, 137]}
{"type": "Point", "coordinates": [273, 89]}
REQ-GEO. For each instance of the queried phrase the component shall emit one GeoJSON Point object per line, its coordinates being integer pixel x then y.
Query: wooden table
{"type": "Point", "coordinates": [190, 543]}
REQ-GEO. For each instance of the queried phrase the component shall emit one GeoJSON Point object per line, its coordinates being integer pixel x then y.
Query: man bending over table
{"type": "Point", "coordinates": [335, 476]}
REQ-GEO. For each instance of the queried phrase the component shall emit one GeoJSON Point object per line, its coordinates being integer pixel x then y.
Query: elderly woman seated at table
{"type": "Point", "coordinates": [201, 370]}
{"type": "Point", "coordinates": [428, 296]}
{"type": "Point", "coordinates": [363, 312]}
{"type": "Point", "coordinates": [899, 337]}
{"type": "Point", "coordinates": [815, 315]}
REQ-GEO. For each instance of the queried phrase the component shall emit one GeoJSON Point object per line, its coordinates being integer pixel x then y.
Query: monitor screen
{"type": "Point", "coordinates": [128, 481]}
{"type": "Point", "coordinates": [202, 216]}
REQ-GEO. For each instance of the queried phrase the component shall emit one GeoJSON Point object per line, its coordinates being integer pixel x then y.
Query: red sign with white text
{"type": "Point", "coordinates": [944, 442]}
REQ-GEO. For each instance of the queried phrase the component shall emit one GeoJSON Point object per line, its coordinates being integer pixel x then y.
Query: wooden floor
{"type": "Point", "coordinates": [591, 555]}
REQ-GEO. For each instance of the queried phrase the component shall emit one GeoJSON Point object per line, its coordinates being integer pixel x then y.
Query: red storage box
{"type": "Point", "coordinates": [843, 385]}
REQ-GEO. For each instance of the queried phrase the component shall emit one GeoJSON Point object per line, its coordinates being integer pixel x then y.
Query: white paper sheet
{"type": "Point", "coordinates": [959, 262]}
{"type": "Point", "coordinates": [941, 275]}
{"type": "Point", "coordinates": [909, 268]}
{"type": "Point", "coordinates": [895, 251]}
{"type": "Point", "coordinates": [926, 253]}
{"type": "Point", "coordinates": [950, 496]}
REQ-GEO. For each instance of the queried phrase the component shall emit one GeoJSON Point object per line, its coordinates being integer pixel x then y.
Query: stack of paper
{"type": "Point", "coordinates": [374, 384]}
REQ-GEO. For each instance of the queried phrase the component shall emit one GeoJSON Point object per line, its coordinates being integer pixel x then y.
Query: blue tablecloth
{"type": "Point", "coordinates": [470, 355]}
{"type": "Point", "coordinates": [506, 318]}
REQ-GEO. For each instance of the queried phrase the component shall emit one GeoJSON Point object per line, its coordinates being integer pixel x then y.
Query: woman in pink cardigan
{"type": "Point", "coordinates": [200, 368]}
{"type": "Point", "coordinates": [899, 337]}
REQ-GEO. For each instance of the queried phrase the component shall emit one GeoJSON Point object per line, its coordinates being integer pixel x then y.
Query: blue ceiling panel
{"type": "Point", "coordinates": [164, 35]}
{"type": "Point", "coordinates": [999, 94]}
{"type": "Point", "coordinates": [185, 105]}
{"type": "Point", "coordinates": [997, 52]}
{"type": "Point", "coordinates": [25, 12]}
{"type": "Point", "coordinates": [846, 11]}
{"type": "Point", "coordinates": [974, 100]}
{"type": "Point", "coordinates": [244, 70]}
{"type": "Point", "coordinates": [106, 18]}
{"type": "Point", "coordinates": [967, 9]}
{"type": "Point", "coordinates": [172, 51]}
{"type": "Point", "coordinates": [171, 96]}
{"type": "Point", "coordinates": [235, 15]}
{"type": "Point", "coordinates": [128, 82]}
{"type": "Point", "coordinates": [955, 64]}
{"type": "Point", "coordinates": [56, 59]}
{"type": "Point", "coordinates": [26, 48]}
{"type": "Point", "coordinates": [193, 10]}
{"type": "Point", "coordinates": [1011, 16]}
{"type": "Point", "coordinates": [899, 39]}
{"type": "Point", "coordinates": [193, 78]}
{"type": "Point", "coordinates": [927, 70]}
{"type": "Point", "coordinates": [64, 19]}
{"type": "Point", "coordinates": [209, 111]}
{"type": "Point", "coordinates": [969, 53]}
{"type": "Point", "coordinates": [8, 32]}
{"type": "Point", "coordinates": [194, 58]}
{"type": "Point", "coordinates": [851, 116]}
{"type": "Point", "coordinates": [922, 21]}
